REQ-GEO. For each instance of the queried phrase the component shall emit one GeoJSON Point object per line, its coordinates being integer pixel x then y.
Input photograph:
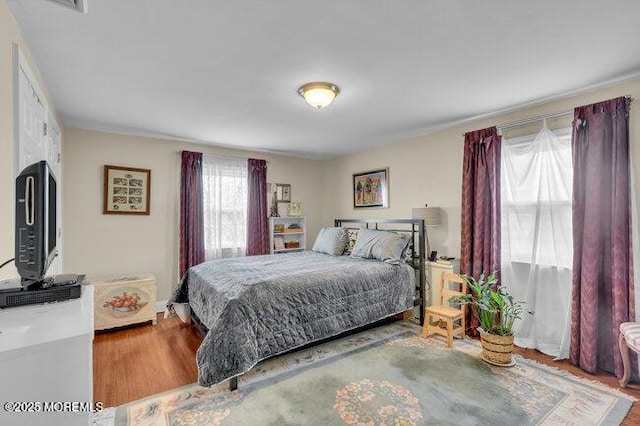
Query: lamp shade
{"type": "Point", "coordinates": [319, 94]}
{"type": "Point", "coordinates": [431, 215]}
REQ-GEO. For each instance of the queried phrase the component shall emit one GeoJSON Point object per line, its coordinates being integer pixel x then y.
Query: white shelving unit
{"type": "Point", "coordinates": [285, 236]}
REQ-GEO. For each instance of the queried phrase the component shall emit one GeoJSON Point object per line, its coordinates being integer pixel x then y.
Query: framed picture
{"type": "Point", "coordinates": [295, 208]}
{"type": "Point", "coordinates": [126, 190]}
{"type": "Point", "coordinates": [371, 189]}
{"type": "Point", "coordinates": [278, 243]}
{"type": "Point", "coordinates": [278, 228]}
{"type": "Point", "coordinates": [283, 192]}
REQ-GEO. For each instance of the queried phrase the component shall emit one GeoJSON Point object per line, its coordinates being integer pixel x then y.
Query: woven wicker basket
{"type": "Point", "coordinates": [496, 349]}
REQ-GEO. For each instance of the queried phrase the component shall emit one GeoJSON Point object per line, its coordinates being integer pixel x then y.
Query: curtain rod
{"type": "Point", "coordinates": [533, 119]}
{"type": "Point", "coordinates": [539, 118]}
{"type": "Point", "coordinates": [235, 157]}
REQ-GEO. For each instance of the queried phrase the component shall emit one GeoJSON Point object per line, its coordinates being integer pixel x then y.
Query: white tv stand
{"type": "Point", "coordinates": [46, 356]}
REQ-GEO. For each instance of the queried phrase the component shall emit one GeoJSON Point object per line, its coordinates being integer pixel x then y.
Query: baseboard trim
{"type": "Point", "coordinates": [160, 305]}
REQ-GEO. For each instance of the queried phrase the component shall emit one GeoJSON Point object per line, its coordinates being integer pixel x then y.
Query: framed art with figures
{"type": "Point", "coordinates": [371, 189]}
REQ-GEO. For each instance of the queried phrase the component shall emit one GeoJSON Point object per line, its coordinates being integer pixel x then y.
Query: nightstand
{"type": "Point", "coordinates": [434, 272]}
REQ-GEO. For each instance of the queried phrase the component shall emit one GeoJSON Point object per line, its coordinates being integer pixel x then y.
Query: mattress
{"type": "Point", "coordinates": [260, 306]}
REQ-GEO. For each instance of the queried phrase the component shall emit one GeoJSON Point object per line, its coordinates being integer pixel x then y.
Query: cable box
{"type": "Point", "coordinates": [57, 292]}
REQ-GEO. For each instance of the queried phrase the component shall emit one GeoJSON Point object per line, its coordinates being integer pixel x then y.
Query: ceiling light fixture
{"type": "Point", "coordinates": [319, 94]}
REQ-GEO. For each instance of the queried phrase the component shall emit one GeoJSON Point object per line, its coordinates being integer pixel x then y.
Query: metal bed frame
{"type": "Point", "coordinates": [414, 226]}
{"type": "Point", "coordinates": [418, 251]}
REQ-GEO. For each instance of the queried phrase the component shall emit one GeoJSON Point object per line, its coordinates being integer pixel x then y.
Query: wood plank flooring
{"type": "Point", "coordinates": [633, 389]}
{"type": "Point", "coordinates": [136, 362]}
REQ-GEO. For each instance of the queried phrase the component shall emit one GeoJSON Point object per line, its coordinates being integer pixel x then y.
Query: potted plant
{"type": "Point", "coordinates": [496, 311]}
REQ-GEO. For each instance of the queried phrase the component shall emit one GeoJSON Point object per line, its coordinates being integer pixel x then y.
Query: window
{"type": "Point", "coordinates": [537, 244]}
{"type": "Point", "coordinates": [224, 187]}
{"type": "Point", "coordinates": [536, 196]}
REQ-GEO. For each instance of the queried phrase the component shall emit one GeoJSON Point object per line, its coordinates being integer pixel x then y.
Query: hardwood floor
{"type": "Point", "coordinates": [633, 389]}
{"type": "Point", "coordinates": [136, 362]}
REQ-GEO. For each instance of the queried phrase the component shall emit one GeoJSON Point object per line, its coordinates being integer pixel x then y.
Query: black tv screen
{"type": "Point", "coordinates": [35, 234]}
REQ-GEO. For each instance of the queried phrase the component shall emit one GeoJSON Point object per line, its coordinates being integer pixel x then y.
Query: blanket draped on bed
{"type": "Point", "coordinates": [260, 306]}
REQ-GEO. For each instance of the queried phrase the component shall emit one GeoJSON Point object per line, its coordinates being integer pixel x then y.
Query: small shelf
{"type": "Point", "coordinates": [288, 249]}
{"type": "Point", "coordinates": [280, 235]}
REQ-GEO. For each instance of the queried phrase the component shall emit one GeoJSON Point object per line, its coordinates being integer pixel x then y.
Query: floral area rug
{"type": "Point", "coordinates": [387, 376]}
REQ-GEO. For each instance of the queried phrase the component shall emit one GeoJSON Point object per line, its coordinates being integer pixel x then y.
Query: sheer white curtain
{"type": "Point", "coordinates": [537, 247]}
{"type": "Point", "coordinates": [224, 187]}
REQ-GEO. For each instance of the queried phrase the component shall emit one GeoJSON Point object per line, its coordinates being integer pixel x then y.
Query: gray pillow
{"type": "Point", "coordinates": [382, 245]}
{"type": "Point", "coordinates": [331, 241]}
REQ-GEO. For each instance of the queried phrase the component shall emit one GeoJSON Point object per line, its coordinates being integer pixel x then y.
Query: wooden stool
{"type": "Point", "coordinates": [629, 338]}
{"type": "Point", "coordinates": [445, 313]}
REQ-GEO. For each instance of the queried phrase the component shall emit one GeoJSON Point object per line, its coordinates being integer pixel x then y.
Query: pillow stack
{"type": "Point", "coordinates": [382, 245]}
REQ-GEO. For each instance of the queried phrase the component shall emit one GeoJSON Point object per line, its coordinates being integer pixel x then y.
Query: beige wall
{"type": "Point", "coordinates": [428, 169]}
{"type": "Point", "coordinates": [100, 245]}
{"type": "Point", "coordinates": [425, 169]}
{"type": "Point", "coordinates": [9, 35]}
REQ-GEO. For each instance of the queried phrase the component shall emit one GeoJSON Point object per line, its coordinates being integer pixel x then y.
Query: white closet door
{"type": "Point", "coordinates": [54, 151]}
{"type": "Point", "coordinates": [32, 117]}
{"type": "Point", "coordinates": [38, 138]}
{"type": "Point", "coordinates": [53, 144]}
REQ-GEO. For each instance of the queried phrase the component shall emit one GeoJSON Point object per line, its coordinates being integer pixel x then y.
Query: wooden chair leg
{"type": "Point", "coordinates": [464, 328]}
{"type": "Point", "coordinates": [450, 333]}
{"type": "Point", "coordinates": [624, 351]}
{"type": "Point", "coordinates": [425, 327]}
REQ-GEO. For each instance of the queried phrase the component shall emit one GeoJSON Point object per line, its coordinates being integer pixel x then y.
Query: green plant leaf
{"type": "Point", "coordinates": [492, 304]}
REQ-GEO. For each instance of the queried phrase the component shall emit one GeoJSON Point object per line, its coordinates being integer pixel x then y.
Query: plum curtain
{"type": "Point", "coordinates": [602, 282]}
{"type": "Point", "coordinates": [480, 236]}
{"type": "Point", "coordinates": [191, 211]}
{"type": "Point", "coordinates": [257, 222]}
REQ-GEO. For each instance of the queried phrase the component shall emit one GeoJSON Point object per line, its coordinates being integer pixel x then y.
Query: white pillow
{"type": "Point", "coordinates": [331, 241]}
{"type": "Point", "coordinates": [382, 245]}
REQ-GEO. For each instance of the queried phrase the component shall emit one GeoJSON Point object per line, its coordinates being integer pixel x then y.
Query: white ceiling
{"type": "Point", "coordinates": [227, 72]}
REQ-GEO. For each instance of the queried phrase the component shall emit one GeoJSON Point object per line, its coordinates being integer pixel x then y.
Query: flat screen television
{"type": "Point", "coordinates": [35, 237]}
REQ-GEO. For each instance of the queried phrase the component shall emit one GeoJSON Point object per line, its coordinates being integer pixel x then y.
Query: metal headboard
{"type": "Point", "coordinates": [418, 246]}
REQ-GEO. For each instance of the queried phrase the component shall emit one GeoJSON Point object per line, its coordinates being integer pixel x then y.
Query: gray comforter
{"type": "Point", "coordinates": [260, 306]}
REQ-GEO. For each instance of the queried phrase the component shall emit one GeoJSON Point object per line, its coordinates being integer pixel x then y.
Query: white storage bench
{"type": "Point", "coordinates": [124, 300]}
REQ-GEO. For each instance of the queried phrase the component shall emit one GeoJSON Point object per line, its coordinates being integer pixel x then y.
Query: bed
{"type": "Point", "coordinates": [254, 308]}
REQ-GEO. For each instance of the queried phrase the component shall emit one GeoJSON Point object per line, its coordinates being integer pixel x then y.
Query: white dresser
{"type": "Point", "coordinates": [46, 355]}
